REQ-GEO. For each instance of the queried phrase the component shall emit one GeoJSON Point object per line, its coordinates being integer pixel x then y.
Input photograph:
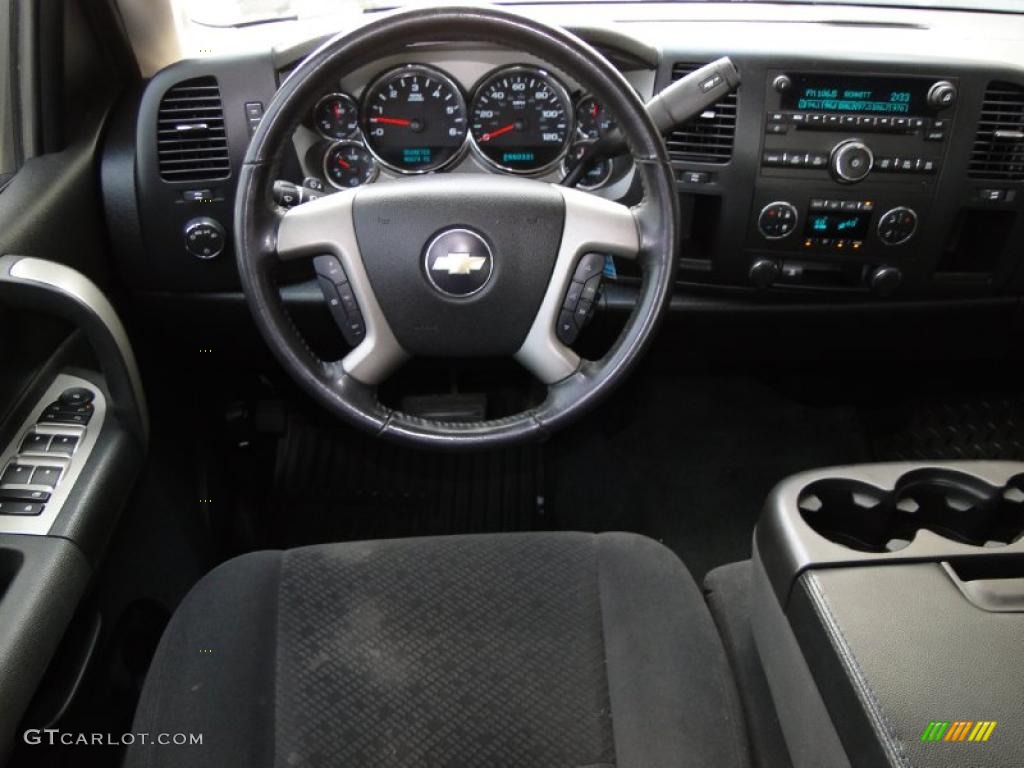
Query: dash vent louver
{"type": "Point", "coordinates": [707, 138]}
{"type": "Point", "coordinates": [192, 143]}
{"type": "Point", "coordinates": [998, 152]}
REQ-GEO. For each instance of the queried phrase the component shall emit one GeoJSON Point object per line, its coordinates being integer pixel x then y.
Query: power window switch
{"type": "Point", "coordinates": [17, 474]}
{"type": "Point", "coordinates": [21, 508]}
{"type": "Point", "coordinates": [63, 444]}
{"type": "Point", "coordinates": [46, 476]}
{"type": "Point", "coordinates": [35, 443]}
{"type": "Point", "coordinates": [24, 494]}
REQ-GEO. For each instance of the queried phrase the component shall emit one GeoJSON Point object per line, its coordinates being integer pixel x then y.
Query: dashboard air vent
{"type": "Point", "coordinates": [192, 144]}
{"type": "Point", "coordinates": [999, 146]}
{"type": "Point", "coordinates": [707, 138]}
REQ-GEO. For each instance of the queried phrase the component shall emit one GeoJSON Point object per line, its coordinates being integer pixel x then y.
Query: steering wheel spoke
{"type": "Point", "coordinates": [594, 227]}
{"type": "Point", "coordinates": [324, 230]}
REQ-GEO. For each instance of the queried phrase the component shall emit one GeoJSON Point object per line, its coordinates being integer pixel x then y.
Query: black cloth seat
{"type": "Point", "coordinates": [532, 650]}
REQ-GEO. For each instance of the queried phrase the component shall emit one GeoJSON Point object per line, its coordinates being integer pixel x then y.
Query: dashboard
{"type": "Point", "coordinates": [859, 163]}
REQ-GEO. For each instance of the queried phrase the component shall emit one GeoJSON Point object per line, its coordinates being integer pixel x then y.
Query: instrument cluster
{"type": "Point", "coordinates": [415, 119]}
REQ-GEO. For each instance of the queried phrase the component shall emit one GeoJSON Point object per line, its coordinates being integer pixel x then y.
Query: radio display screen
{"type": "Point", "coordinates": [856, 95]}
{"type": "Point", "coordinates": [852, 226]}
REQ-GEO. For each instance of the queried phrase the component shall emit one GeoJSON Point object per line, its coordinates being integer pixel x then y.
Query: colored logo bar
{"type": "Point", "coordinates": [958, 730]}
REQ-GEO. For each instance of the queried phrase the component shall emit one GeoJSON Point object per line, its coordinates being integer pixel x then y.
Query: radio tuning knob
{"type": "Point", "coordinates": [782, 83]}
{"type": "Point", "coordinates": [942, 95]}
{"type": "Point", "coordinates": [851, 161]}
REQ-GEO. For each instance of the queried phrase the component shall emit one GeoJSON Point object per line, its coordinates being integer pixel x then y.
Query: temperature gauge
{"type": "Point", "coordinates": [348, 164]}
{"type": "Point", "coordinates": [336, 116]}
{"type": "Point", "coordinates": [592, 120]}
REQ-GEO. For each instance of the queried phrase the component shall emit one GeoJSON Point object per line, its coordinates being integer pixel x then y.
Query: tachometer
{"type": "Point", "coordinates": [521, 119]}
{"type": "Point", "coordinates": [414, 119]}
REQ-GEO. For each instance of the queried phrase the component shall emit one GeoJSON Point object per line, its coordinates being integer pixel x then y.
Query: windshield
{"type": "Point", "coordinates": [240, 13]}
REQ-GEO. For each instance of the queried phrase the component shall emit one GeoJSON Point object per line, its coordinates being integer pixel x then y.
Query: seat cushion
{"type": "Point", "coordinates": [533, 650]}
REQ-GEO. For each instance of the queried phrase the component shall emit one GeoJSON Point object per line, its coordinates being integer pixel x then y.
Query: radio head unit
{"type": "Point", "coordinates": [892, 96]}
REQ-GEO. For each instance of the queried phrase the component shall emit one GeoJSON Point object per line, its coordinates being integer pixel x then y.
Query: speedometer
{"type": "Point", "coordinates": [414, 119]}
{"type": "Point", "coordinates": [521, 120]}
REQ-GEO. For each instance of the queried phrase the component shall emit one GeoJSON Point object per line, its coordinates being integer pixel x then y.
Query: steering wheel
{"type": "Point", "coordinates": [522, 239]}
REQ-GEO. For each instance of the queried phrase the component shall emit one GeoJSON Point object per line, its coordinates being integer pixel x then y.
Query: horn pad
{"type": "Point", "coordinates": [459, 262]}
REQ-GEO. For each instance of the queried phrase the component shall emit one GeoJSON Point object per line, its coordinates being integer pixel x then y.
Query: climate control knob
{"type": "Point", "coordinates": [851, 161]}
{"type": "Point", "coordinates": [897, 225]}
{"type": "Point", "coordinates": [885, 280]}
{"type": "Point", "coordinates": [777, 220]}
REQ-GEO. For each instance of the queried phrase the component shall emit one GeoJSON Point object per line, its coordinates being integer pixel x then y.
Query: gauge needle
{"type": "Point", "coordinates": [499, 132]}
{"type": "Point", "coordinates": [343, 164]}
{"type": "Point", "coordinates": [391, 121]}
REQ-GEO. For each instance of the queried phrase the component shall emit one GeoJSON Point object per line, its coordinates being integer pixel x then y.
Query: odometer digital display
{"type": "Point", "coordinates": [414, 119]}
{"type": "Point", "coordinates": [857, 95]}
{"type": "Point", "coordinates": [521, 120]}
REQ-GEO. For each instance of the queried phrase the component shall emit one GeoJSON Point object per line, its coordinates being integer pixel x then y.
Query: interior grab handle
{"type": "Point", "coordinates": [43, 285]}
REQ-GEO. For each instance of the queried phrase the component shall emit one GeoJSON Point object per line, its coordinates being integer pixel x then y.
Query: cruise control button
{"type": "Point", "coordinates": [330, 267]}
{"type": "Point", "coordinates": [17, 474]}
{"type": "Point", "coordinates": [46, 476]}
{"type": "Point", "coordinates": [348, 299]}
{"type": "Point", "coordinates": [35, 443]}
{"type": "Point", "coordinates": [26, 509]}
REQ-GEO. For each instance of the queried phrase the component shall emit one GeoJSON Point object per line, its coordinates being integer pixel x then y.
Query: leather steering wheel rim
{"type": "Point", "coordinates": [257, 223]}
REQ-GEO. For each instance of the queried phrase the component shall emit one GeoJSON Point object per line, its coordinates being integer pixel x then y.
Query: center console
{"type": "Point", "coordinates": [888, 612]}
{"type": "Point", "coordinates": [849, 169]}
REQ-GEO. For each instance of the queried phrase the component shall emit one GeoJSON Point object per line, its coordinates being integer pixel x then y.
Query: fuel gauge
{"type": "Point", "coordinates": [348, 164]}
{"type": "Point", "coordinates": [336, 116]}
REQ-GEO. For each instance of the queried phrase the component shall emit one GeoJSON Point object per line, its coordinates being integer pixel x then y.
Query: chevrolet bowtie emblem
{"type": "Point", "coordinates": [459, 263]}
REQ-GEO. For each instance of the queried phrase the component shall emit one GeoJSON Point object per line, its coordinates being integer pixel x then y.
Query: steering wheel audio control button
{"type": "Point", "coordinates": [591, 264]}
{"type": "Point", "coordinates": [566, 328]}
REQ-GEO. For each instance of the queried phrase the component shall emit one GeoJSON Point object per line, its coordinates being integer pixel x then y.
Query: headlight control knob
{"type": "Point", "coordinates": [851, 161]}
{"type": "Point", "coordinates": [204, 238]}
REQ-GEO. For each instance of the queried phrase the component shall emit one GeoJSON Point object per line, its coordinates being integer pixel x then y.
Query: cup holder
{"type": "Point", "coordinates": [951, 504]}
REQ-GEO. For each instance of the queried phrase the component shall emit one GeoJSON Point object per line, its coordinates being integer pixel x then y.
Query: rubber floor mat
{"type": "Point", "coordinates": [335, 485]}
{"type": "Point", "coordinates": [951, 428]}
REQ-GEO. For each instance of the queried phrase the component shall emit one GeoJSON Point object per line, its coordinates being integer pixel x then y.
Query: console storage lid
{"type": "Point", "coordinates": [890, 601]}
